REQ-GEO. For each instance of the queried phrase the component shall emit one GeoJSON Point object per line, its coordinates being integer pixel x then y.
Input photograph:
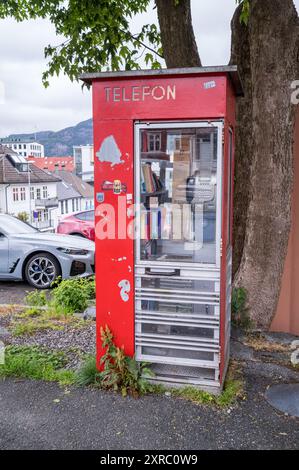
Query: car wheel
{"type": "Point", "coordinates": [77, 235]}
{"type": "Point", "coordinates": [41, 270]}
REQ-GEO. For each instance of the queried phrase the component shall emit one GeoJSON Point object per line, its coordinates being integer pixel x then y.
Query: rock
{"type": "Point", "coordinates": [285, 398]}
{"type": "Point", "coordinates": [89, 313]}
{"type": "Point", "coordinates": [3, 332]}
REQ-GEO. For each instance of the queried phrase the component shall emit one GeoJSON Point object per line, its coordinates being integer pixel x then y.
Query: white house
{"type": "Point", "coordinates": [81, 188]}
{"type": "Point", "coordinates": [24, 188]}
{"type": "Point", "coordinates": [24, 147]}
{"type": "Point", "coordinates": [69, 200]}
{"type": "Point", "coordinates": [84, 162]}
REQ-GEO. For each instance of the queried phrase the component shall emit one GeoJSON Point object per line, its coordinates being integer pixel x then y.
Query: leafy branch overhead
{"type": "Point", "coordinates": [96, 34]}
{"type": "Point", "coordinates": [244, 16]}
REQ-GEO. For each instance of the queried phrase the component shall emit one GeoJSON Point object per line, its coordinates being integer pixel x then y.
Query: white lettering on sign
{"type": "Point", "coordinates": [140, 93]}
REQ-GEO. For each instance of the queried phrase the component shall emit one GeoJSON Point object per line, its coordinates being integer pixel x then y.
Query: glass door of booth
{"type": "Point", "coordinates": [178, 168]}
{"type": "Point", "coordinates": [178, 193]}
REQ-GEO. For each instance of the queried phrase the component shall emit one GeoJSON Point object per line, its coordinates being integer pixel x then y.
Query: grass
{"type": "Point", "coordinates": [35, 319]}
{"type": "Point", "coordinates": [88, 373]}
{"type": "Point", "coordinates": [33, 362]}
{"type": "Point", "coordinates": [30, 327]}
{"type": "Point", "coordinates": [233, 390]}
{"type": "Point", "coordinates": [259, 343]}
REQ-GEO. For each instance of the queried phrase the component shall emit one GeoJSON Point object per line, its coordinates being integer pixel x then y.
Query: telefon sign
{"type": "Point", "coordinates": [140, 93]}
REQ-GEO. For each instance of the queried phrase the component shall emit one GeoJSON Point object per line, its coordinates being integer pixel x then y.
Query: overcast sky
{"type": "Point", "coordinates": [28, 107]}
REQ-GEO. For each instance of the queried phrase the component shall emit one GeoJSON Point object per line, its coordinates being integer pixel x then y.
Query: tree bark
{"type": "Point", "coordinates": [177, 35]}
{"type": "Point", "coordinates": [267, 56]}
{"type": "Point", "coordinates": [240, 55]}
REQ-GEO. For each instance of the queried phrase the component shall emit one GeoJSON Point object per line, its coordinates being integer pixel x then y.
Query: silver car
{"type": "Point", "coordinates": [39, 258]}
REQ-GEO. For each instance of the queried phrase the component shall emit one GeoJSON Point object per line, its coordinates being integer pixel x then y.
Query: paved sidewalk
{"type": "Point", "coordinates": [32, 418]}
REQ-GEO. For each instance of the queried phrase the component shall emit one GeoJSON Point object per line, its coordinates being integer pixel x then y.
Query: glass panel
{"type": "Point", "coordinates": [178, 185]}
{"type": "Point", "coordinates": [178, 330]}
{"type": "Point", "coordinates": [161, 287]}
{"type": "Point", "coordinates": [177, 353]}
{"type": "Point", "coordinates": [178, 284]}
{"type": "Point", "coordinates": [177, 307]}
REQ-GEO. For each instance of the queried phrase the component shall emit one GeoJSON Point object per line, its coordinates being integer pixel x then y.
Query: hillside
{"type": "Point", "coordinates": [61, 143]}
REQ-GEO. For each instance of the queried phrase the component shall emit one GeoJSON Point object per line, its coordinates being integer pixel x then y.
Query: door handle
{"type": "Point", "coordinates": [174, 272]}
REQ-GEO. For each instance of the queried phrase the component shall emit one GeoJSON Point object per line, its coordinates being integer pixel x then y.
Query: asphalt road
{"type": "Point", "coordinates": [39, 415]}
{"type": "Point", "coordinates": [13, 292]}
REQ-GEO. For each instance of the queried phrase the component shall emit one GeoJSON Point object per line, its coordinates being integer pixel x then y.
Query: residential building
{"type": "Point", "coordinates": [85, 190]}
{"type": "Point", "coordinates": [54, 163]}
{"type": "Point", "coordinates": [84, 162]}
{"type": "Point", "coordinates": [24, 146]}
{"type": "Point", "coordinates": [69, 200]}
{"type": "Point", "coordinates": [25, 188]}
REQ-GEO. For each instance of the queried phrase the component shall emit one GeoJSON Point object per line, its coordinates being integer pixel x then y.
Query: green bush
{"type": "Point", "coordinates": [73, 295]}
{"type": "Point", "coordinates": [23, 216]}
{"type": "Point", "coordinates": [36, 298]}
{"type": "Point", "coordinates": [120, 372]}
{"type": "Point", "coordinates": [240, 312]}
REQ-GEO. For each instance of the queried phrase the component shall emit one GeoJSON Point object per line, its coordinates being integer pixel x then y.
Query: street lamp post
{"type": "Point", "coordinates": [29, 188]}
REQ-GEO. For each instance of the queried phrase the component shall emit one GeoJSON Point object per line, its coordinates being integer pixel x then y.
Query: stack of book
{"type": "Point", "coordinates": [156, 223]}
{"type": "Point", "coordinates": [150, 182]}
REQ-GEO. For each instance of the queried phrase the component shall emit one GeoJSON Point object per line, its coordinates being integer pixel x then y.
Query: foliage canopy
{"type": "Point", "coordinates": [95, 34]}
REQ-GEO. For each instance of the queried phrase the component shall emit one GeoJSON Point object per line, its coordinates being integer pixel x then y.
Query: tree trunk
{"type": "Point", "coordinates": [240, 55]}
{"type": "Point", "coordinates": [177, 35]}
{"type": "Point", "coordinates": [267, 56]}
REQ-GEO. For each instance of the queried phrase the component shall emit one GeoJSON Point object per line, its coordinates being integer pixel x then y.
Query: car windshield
{"type": "Point", "coordinates": [11, 225]}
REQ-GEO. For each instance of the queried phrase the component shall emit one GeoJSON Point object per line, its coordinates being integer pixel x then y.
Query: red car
{"type": "Point", "coordinates": [80, 224]}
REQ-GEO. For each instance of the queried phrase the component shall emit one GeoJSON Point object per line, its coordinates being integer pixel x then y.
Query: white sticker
{"type": "Point", "coordinates": [208, 85]}
{"type": "Point", "coordinates": [125, 288]}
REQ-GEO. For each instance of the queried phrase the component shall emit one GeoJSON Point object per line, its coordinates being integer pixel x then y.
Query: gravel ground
{"type": "Point", "coordinates": [77, 342]}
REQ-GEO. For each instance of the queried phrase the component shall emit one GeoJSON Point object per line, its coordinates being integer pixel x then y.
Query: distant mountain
{"type": "Point", "coordinates": [61, 143]}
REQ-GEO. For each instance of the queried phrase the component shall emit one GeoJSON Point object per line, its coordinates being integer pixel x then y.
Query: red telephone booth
{"type": "Point", "coordinates": [164, 156]}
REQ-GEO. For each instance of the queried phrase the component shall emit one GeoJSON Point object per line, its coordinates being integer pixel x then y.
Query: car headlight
{"type": "Point", "coordinates": [73, 251]}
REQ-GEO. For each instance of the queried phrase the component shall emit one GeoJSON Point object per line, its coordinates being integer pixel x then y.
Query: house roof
{"type": "Point", "coordinates": [53, 163]}
{"type": "Point", "coordinates": [66, 191]}
{"type": "Point", "coordinates": [9, 173]}
{"type": "Point", "coordinates": [19, 140]}
{"type": "Point", "coordinates": [84, 189]}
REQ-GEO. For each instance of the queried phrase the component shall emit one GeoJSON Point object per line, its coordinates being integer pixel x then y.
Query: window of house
{"type": "Point", "coordinates": [73, 205]}
{"type": "Point", "coordinates": [66, 206]}
{"type": "Point", "coordinates": [15, 194]}
{"type": "Point", "coordinates": [154, 142]}
{"type": "Point", "coordinates": [45, 192]}
{"type": "Point", "coordinates": [46, 214]}
{"type": "Point", "coordinates": [23, 193]}
{"type": "Point", "coordinates": [61, 207]}
{"type": "Point", "coordinates": [38, 193]}
{"type": "Point", "coordinates": [31, 192]}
